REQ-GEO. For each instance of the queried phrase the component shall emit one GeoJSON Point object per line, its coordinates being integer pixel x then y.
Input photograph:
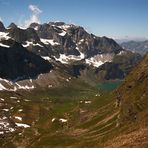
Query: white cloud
{"type": "Point", "coordinates": [34, 18]}
{"type": "Point", "coordinates": [35, 9]}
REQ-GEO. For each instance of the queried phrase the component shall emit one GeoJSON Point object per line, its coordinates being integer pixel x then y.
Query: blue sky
{"type": "Point", "coordinates": [113, 18]}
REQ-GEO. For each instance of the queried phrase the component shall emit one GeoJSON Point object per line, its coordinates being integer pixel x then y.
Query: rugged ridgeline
{"type": "Point", "coordinates": [69, 49]}
{"type": "Point", "coordinates": [136, 46]}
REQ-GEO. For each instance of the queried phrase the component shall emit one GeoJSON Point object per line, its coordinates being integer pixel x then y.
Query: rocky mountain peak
{"type": "Point", "coordinates": [12, 25]}
{"type": "Point", "coordinates": [23, 35]}
{"type": "Point", "coordinates": [57, 23]}
{"type": "Point", "coordinates": [2, 28]}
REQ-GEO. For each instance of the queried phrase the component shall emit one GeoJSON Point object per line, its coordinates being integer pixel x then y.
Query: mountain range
{"type": "Point", "coordinates": [63, 49]}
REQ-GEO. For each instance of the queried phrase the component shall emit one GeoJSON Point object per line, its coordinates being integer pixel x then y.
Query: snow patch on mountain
{"type": "Point", "coordinates": [36, 28]}
{"type": "Point", "coordinates": [46, 58]}
{"type": "Point", "coordinates": [23, 28]}
{"type": "Point", "coordinates": [3, 45]}
{"type": "Point", "coordinates": [28, 43]}
{"type": "Point", "coordinates": [5, 109]}
{"type": "Point", "coordinates": [5, 126]}
{"type": "Point", "coordinates": [22, 125]}
{"type": "Point", "coordinates": [2, 87]}
{"type": "Point", "coordinates": [13, 97]}
{"type": "Point", "coordinates": [26, 87]}
{"type": "Point", "coordinates": [65, 59]}
{"type": "Point", "coordinates": [49, 41]}
{"type": "Point", "coordinates": [6, 81]}
{"type": "Point", "coordinates": [64, 27]}
{"type": "Point", "coordinates": [18, 118]}
{"type": "Point", "coordinates": [63, 120]}
{"type": "Point", "coordinates": [4, 36]}
{"type": "Point", "coordinates": [62, 33]}
{"type": "Point", "coordinates": [20, 110]}
{"type": "Point", "coordinates": [6, 85]}
{"type": "Point", "coordinates": [93, 62]}
{"type": "Point", "coordinates": [81, 41]}
{"type": "Point", "coordinates": [53, 119]}
{"type": "Point", "coordinates": [2, 99]}
{"type": "Point", "coordinates": [99, 59]}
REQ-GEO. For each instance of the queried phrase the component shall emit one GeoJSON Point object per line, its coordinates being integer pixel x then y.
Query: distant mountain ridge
{"type": "Point", "coordinates": [136, 46]}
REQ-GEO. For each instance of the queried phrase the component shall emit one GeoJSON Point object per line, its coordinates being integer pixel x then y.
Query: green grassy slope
{"type": "Point", "coordinates": [133, 104]}
{"type": "Point", "coordinates": [93, 118]}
